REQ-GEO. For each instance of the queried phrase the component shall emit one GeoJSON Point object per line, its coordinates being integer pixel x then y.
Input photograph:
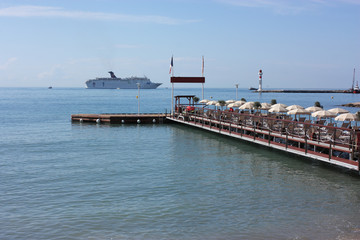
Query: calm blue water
{"type": "Point", "coordinates": [60, 180]}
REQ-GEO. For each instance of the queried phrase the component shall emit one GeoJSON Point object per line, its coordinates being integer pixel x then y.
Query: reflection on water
{"type": "Point", "coordinates": [79, 181]}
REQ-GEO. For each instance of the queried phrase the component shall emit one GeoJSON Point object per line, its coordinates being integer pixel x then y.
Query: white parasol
{"type": "Point", "coordinates": [278, 109]}
{"type": "Point", "coordinates": [314, 109]}
{"type": "Point", "coordinates": [204, 101]}
{"type": "Point", "coordinates": [298, 111]}
{"type": "Point", "coordinates": [338, 110]}
{"type": "Point", "coordinates": [280, 104]}
{"type": "Point", "coordinates": [323, 114]}
{"type": "Point", "coordinates": [247, 105]}
{"type": "Point", "coordinates": [293, 107]}
{"type": "Point", "coordinates": [346, 117]}
{"type": "Point", "coordinates": [212, 102]}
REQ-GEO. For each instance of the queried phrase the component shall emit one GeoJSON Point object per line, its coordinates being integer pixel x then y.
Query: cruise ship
{"type": "Point", "coordinates": [114, 82]}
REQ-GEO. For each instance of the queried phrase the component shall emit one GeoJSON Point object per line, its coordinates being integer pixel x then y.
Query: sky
{"type": "Point", "coordinates": [297, 43]}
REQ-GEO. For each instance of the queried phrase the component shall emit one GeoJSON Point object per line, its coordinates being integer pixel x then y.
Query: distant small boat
{"type": "Point", "coordinates": [50, 87]}
{"type": "Point", "coordinates": [252, 89]}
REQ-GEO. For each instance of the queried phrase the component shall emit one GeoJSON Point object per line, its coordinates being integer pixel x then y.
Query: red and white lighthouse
{"type": "Point", "coordinates": [260, 81]}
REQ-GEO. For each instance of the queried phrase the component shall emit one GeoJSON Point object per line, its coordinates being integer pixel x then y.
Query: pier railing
{"type": "Point", "coordinates": [311, 137]}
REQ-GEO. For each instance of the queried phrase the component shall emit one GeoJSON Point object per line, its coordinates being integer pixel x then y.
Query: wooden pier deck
{"type": "Point", "coordinates": [329, 144]}
{"type": "Point", "coordinates": [325, 143]}
{"type": "Point", "coordinates": [121, 118]}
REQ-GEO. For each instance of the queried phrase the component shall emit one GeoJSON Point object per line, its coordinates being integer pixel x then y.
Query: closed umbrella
{"type": "Point", "coordinates": [314, 109]}
{"type": "Point", "coordinates": [338, 110]}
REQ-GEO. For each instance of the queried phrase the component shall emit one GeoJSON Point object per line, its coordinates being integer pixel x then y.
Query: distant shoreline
{"type": "Point", "coordinates": [355, 104]}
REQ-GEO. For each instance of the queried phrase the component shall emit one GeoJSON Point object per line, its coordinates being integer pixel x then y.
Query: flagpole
{"type": "Point", "coordinates": [202, 74]}
{"type": "Point", "coordinates": [172, 85]}
{"type": "Point", "coordinates": [172, 100]}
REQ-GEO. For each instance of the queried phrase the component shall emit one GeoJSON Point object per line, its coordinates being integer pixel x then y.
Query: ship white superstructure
{"type": "Point", "coordinates": [121, 83]}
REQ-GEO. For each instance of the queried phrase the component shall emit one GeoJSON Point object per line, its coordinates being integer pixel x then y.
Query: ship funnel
{"type": "Point", "coordinates": [112, 75]}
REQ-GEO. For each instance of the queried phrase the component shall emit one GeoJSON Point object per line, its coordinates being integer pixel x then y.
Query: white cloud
{"type": "Point", "coordinates": [55, 70]}
{"type": "Point", "coordinates": [286, 6]}
{"type": "Point", "coordinates": [127, 46]}
{"type": "Point", "coordinates": [7, 63]}
{"type": "Point", "coordinates": [52, 12]}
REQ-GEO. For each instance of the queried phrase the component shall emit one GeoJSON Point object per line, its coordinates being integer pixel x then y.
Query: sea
{"type": "Point", "coordinates": [64, 180]}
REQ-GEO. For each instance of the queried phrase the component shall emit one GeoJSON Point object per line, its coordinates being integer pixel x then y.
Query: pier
{"type": "Point", "coordinates": [302, 91]}
{"type": "Point", "coordinates": [121, 118]}
{"type": "Point", "coordinates": [325, 143]}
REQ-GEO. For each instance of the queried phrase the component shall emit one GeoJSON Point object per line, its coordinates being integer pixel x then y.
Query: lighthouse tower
{"type": "Point", "coordinates": [260, 81]}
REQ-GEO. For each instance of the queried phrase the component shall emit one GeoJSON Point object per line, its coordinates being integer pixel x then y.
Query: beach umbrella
{"type": "Point", "coordinates": [204, 101]}
{"type": "Point", "coordinates": [314, 109]}
{"type": "Point", "coordinates": [323, 114]}
{"type": "Point", "coordinates": [247, 105]}
{"type": "Point", "coordinates": [212, 102]}
{"type": "Point", "coordinates": [346, 117]}
{"type": "Point", "coordinates": [338, 110]}
{"type": "Point", "coordinates": [229, 101]}
{"type": "Point", "coordinates": [293, 107]}
{"type": "Point", "coordinates": [240, 102]}
{"type": "Point", "coordinates": [279, 104]}
{"type": "Point", "coordinates": [265, 106]}
{"type": "Point", "coordinates": [299, 111]}
{"type": "Point", "coordinates": [277, 109]}
{"type": "Point", "coordinates": [232, 105]}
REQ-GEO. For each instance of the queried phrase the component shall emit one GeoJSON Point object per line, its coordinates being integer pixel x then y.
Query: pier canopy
{"type": "Point", "coordinates": [187, 79]}
{"type": "Point", "coordinates": [174, 80]}
{"type": "Point", "coordinates": [190, 98]}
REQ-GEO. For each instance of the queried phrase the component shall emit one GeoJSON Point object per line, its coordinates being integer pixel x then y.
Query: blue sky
{"type": "Point", "coordinates": [297, 43]}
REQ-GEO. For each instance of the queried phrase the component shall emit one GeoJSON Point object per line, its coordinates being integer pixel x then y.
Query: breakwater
{"type": "Point", "coordinates": [304, 91]}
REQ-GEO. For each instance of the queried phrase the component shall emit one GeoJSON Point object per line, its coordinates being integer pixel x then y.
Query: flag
{"type": "Point", "coordinates": [171, 64]}
{"type": "Point", "coordinates": [202, 66]}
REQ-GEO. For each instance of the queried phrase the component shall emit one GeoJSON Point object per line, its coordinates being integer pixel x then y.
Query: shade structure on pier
{"type": "Point", "coordinates": [338, 110]}
{"type": "Point", "coordinates": [293, 107]}
{"type": "Point", "coordinates": [229, 101]}
{"type": "Point", "coordinates": [299, 111]}
{"type": "Point", "coordinates": [232, 105]}
{"type": "Point", "coordinates": [247, 105]}
{"type": "Point", "coordinates": [265, 106]}
{"type": "Point", "coordinates": [279, 104]}
{"type": "Point", "coordinates": [278, 109]}
{"type": "Point", "coordinates": [314, 109]}
{"type": "Point", "coordinates": [323, 114]}
{"type": "Point", "coordinates": [204, 101]}
{"type": "Point", "coordinates": [212, 102]}
{"type": "Point", "coordinates": [346, 117]}
{"type": "Point", "coordinates": [240, 102]}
